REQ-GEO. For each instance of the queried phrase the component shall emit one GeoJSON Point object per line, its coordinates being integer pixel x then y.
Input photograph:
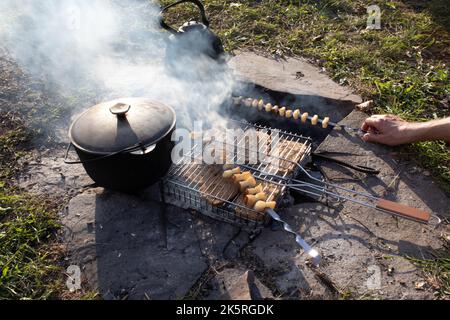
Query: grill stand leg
{"type": "Point", "coordinates": [163, 214]}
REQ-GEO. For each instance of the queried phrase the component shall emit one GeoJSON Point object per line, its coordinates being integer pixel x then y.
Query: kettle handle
{"type": "Point", "coordinates": [198, 3]}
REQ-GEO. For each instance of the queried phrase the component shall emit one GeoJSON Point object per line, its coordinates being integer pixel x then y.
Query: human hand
{"type": "Point", "coordinates": [388, 129]}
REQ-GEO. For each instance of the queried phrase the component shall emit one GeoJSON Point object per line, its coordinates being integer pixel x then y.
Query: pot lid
{"type": "Point", "coordinates": [121, 124]}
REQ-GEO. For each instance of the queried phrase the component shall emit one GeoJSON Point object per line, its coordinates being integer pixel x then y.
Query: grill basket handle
{"type": "Point", "coordinates": [404, 211]}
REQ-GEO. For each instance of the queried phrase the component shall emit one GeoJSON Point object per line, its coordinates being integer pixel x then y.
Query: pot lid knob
{"type": "Point", "coordinates": [120, 109]}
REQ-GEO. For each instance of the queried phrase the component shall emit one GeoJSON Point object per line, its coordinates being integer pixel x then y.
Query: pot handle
{"type": "Point", "coordinates": [142, 151]}
{"type": "Point", "coordinates": [66, 161]}
{"type": "Point", "coordinates": [198, 3]}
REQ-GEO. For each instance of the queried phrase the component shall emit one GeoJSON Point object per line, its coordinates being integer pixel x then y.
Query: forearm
{"type": "Point", "coordinates": [431, 130]}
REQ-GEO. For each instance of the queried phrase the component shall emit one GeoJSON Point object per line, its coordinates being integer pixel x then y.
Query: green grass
{"type": "Point", "coordinates": [401, 67]}
{"type": "Point", "coordinates": [30, 253]}
{"type": "Point", "coordinates": [437, 271]}
{"type": "Point", "coordinates": [30, 258]}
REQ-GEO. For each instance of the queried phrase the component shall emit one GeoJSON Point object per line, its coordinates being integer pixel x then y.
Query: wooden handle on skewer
{"type": "Point", "coordinates": [403, 210]}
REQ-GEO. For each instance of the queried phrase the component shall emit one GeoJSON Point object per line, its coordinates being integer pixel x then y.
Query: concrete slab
{"type": "Point", "coordinates": [46, 173]}
{"type": "Point", "coordinates": [237, 284]}
{"type": "Point", "coordinates": [291, 75]}
{"type": "Point", "coordinates": [125, 250]}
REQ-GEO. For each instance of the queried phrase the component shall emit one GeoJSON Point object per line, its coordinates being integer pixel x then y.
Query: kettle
{"type": "Point", "coordinates": [193, 38]}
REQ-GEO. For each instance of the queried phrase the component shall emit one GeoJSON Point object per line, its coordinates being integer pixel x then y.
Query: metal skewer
{"type": "Point", "coordinates": [334, 125]}
{"type": "Point", "coordinates": [343, 127]}
{"type": "Point", "coordinates": [297, 185]}
{"type": "Point", "coordinates": [313, 253]}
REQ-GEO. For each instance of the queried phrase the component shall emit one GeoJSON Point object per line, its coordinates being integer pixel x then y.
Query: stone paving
{"type": "Point", "coordinates": [130, 246]}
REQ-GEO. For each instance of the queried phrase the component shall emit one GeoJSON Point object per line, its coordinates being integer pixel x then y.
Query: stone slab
{"type": "Point", "coordinates": [125, 251]}
{"type": "Point", "coordinates": [237, 284]}
{"type": "Point", "coordinates": [292, 75]}
{"type": "Point", "coordinates": [46, 173]}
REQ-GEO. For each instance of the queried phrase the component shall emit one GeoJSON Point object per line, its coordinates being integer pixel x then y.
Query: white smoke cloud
{"type": "Point", "coordinates": [115, 47]}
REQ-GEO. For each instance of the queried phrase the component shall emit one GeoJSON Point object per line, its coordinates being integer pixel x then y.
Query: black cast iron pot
{"type": "Point", "coordinates": [124, 144]}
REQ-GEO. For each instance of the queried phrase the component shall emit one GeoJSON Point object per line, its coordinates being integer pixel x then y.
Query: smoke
{"type": "Point", "coordinates": [115, 48]}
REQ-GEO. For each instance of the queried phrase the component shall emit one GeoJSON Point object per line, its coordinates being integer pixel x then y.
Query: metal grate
{"type": "Point", "coordinates": [200, 186]}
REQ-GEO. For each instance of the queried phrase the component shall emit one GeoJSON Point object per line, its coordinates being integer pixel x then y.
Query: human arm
{"type": "Point", "coordinates": [392, 130]}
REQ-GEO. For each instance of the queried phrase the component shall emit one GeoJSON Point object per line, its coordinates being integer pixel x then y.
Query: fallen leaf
{"type": "Point", "coordinates": [365, 106]}
{"type": "Point", "coordinates": [420, 285]}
